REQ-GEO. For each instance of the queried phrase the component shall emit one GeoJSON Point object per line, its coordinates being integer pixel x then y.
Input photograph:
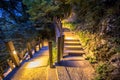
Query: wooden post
{"type": "Point", "coordinates": [21, 55]}
{"type": "Point", "coordinates": [29, 49]}
{"type": "Point", "coordinates": [55, 34]}
{"type": "Point", "coordinates": [50, 54]}
{"type": "Point", "coordinates": [1, 73]}
{"type": "Point", "coordinates": [32, 45]}
{"type": "Point", "coordinates": [39, 43]}
{"type": "Point", "coordinates": [1, 76]}
{"type": "Point", "coordinates": [42, 43]}
{"type": "Point", "coordinates": [10, 64]}
{"type": "Point", "coordinates": [59, 50]}
{"type": "Point", "coordinates": [13, 53]}
{"type": "Point", "coordinates": [35, 46]}
{"type": "Point", "coordinates": [62, 46]}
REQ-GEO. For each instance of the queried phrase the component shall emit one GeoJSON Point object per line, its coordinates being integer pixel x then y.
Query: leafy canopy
{"type": "Point", "coordinates": [39, 10]}
{"type": "Point", "coordinates": [45, 10]}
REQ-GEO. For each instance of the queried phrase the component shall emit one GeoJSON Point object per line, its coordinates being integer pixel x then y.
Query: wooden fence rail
{"type": "Point", "coordinates": [15, 58]}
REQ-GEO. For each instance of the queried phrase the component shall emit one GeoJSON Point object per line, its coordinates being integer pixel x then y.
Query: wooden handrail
{"type": "Point", "coordinates": [6, 64]}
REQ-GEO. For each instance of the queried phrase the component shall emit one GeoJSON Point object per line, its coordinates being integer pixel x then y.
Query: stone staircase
{"type": "Point", "coordinates": [72, 45]}
{"type": "Point", "coordinates": [73, 65]}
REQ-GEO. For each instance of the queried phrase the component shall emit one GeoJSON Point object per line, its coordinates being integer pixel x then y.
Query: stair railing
{"type": "Point", "coordinates": [15, 59]}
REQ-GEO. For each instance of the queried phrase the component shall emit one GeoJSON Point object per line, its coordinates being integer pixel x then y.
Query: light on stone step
{"type": "Point", "coordinates": [69, 38]}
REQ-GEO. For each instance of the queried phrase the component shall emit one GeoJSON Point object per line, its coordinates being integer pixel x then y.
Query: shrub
{"type": "Point", "coordinates": [103, 69]}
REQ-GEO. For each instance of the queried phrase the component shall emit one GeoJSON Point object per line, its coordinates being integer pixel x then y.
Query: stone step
{"type": "Point", "coordinates": [80, 48]}
{"type": "Point", "coordinates": [73, 58]}
{"type": "Point", "coordinates": [71, 40]}
{"type": "Point", "coordinates": [69, 33]}
{"type": "Point", "coordinates": [72, 43]}
{"type": "Point", "coordinates": [72, 47]}
{"type": "Point", "coordinates": [74, 52]}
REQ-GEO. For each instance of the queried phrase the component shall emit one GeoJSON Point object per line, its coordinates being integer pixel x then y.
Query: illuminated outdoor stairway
{"type": "Point", "coordinates": [72, 45]}
{"type": "Point", "coordinates": [73, 65]}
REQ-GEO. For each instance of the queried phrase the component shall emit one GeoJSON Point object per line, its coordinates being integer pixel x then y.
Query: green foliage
{"type": "Point", "coordinates": [70, 25]}
{"type": "Point", "coordinates": [96, 47]}
{"type": "Point", "coordinates": [99, 50]}
{"type": "Point", "coordinates": [92, 59]}
{"type": "Point", "coordinates": [102, 70]}
{"type": "Point", "coordinates": [84, 37]}
{"type": "Point", "coordinates": [39, 10]}
{"type": "Point", "coordinates": [4, 57]}
{"type": "Point", "coordinates": [54, 54]}
{"type": "Point", "coordinates": [44, 10]}
{"type": "Point", "coordinates": [92, 12]}
{"type": "Point", "coordinates": [117, 48]}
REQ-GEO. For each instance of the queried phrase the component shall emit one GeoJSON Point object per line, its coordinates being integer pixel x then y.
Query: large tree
{"type": "Point", "coordinates": [43, 11]}
{"type": "Point", "coordinates": [48, 12]}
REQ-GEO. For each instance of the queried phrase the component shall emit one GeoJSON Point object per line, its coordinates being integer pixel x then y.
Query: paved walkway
{"type": "Point", "coordinates": [35, 68]}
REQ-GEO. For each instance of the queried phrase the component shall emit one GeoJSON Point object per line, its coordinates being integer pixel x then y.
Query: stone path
{"type": "Point", "coordinates": [36, 68]}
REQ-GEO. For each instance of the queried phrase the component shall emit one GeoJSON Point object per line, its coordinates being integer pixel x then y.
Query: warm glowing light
{"type": "Point", "coordinates": [42, 61]}
{"type": "Point", "coordinates": [72, 42]}
{"type": "Point", "coordinates": [45, 43]}
{"type": "Point", "coordinates": [14, 52]}
{"type": "Point", "coordinates": [7, 72]}
{"type": "Point", "coordinates": [33, 64]}
{"type": "Point", "coordinates": [73, 46]}
{"type": "Point", "coordinates": [33, 51]}
{"type": "Point", "coordinates": [37, 48]}
{"type": "Point", "coordinates": [69, 38]}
